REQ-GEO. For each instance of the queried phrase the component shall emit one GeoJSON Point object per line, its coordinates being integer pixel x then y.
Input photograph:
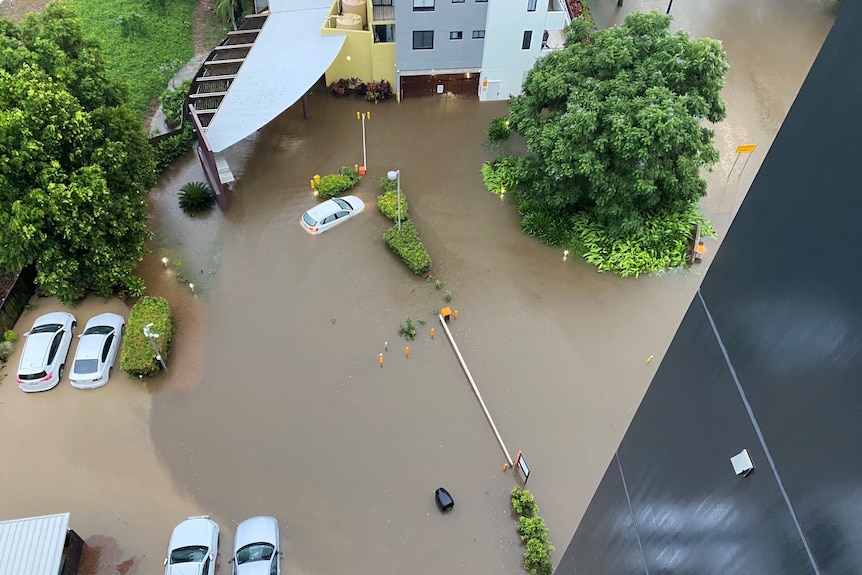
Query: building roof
{"type": "Point", "coordinates": [288, 57]}
{"type": "Point", "coordinates": [34, 545]}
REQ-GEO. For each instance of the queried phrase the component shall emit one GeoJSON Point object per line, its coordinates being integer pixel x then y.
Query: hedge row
{"type": "Point", "coordinates": [533, 532]}
{"type": "Point", "coordinates": [169, 149]}
{"type": "Point", "coordinates": [335, 184]}
{"type": "Point", "coordinates": [138, 357]}
{"type": "Point", "coordinates": [407, 245]}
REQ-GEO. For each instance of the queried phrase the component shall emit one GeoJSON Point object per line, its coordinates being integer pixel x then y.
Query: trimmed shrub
{"type": "Point", "coordinates": [335, 184]}
{"type": "Point", "coordinates": [499, 130]}
{"type": "Point", "coordinates": [138, 357]}
{"type": "Point", "coordinates": [172, 103]}
{"type": "Point", "coordinates": [377, 91]}
{"type": "Point", "coordinates": [10, 336]}
{"type": "Point", "coordinates": [387, 203]}
{"type": "Point", "coordinates": [196, 197]}
{"type": "Point", "coordinates": [169, 149]}
{"type": "Point", "coordinates": [407, 245]}
{"type": "Point", "coordinates": [389, 185]}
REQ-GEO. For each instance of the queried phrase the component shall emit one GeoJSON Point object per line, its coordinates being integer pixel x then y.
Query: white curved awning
{"type": "Point", "coordinates": [288, 57]}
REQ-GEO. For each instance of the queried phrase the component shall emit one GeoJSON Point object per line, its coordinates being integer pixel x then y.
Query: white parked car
{"type": "Point", "coordinates": [256, 547]}
{"type": "Point", "coordinates": [97, 351]}
{"type": "Point", "coordinates": [45, 350]}
{"type": "Point", "coordinates": [330, 213]}
{"type": "Point", "coordinates": [193, 547]}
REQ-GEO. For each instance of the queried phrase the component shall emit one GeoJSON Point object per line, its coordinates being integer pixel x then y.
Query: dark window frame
{"type": "Point", "coordinates": [456, 35]}
{"type": "Point", "coordinates": [531, 5]}
{"type": "Point", "coordinates": [478, 34]}
{"type": "Point", "coordinates": [421, 45]}
{"type": "Point", "coordinates": [423, 8]}
{"type": "Point", "coordinates": [527, 40]}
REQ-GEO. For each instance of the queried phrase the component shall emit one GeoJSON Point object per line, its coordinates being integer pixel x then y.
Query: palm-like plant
{"type": "Point", "coordinates": [196, 197]}
{"type": "Point", "coordinates": [229, 11]}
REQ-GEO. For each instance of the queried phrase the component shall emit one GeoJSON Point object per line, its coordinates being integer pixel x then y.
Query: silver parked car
{"type": "Point", "coordinates": [193, 547]}
{"type": "Point", "coordinates": [256, 547]}
{"type": "Point", "coordinates": [45, 350]}
{"type": "Point", "coordinates": [97, 351]}
{"type": "Point", "coordinates": [330, 213]}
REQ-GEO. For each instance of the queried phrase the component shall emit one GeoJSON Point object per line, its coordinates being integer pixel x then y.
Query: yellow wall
{"type": "Point", "coordinates": [357, 47]}
{"type": "Point", "coordinates": [383, 62]}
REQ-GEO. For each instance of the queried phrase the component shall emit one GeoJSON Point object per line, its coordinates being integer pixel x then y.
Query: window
{"type": "Point", "coordinates": [457, 1]}
{"type": "Point", "coordinates": [528, 38]}
{"type": "Point", "coordinates": [423, 5]}
{"type": "Point", "coordinates": [531, 5]}
{"type": "Point", "coordinates": [55, 345]}
{"type": "Point", "coordinates": [481, 0]}
{"type": "Point", "coordinates": [107, 348]}
{"type": "Point", "coordinates": [478, 34]}
{"type": "Point", "coordinates": [423, 39]}
{"type": "Point", "coordinates": [456, 35]}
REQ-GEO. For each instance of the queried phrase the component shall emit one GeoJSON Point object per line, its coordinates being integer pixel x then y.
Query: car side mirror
{"type": "Point", "coordinates": [211, 556]}
{"type": "Point", "coordinates": [166, 561]}
{"type": "Point", "coordinates": [26, 334]}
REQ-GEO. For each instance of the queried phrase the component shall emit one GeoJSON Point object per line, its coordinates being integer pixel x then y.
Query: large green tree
{"type": "Point", "coordinates": [614, 122]}
{"type": "Point", "coordinates": [75, 164]}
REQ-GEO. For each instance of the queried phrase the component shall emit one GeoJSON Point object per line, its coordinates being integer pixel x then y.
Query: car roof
{"type": "Point", "coordinates": [193, 531]}
{"type": "Point", "coordinates": [323, 209]}
{"type": "Point", "coordinates": [35, 351]}
{"type": "Point", "coordinates": [256, 530]}
{"type": "Point", "coordinates": [90, 346]}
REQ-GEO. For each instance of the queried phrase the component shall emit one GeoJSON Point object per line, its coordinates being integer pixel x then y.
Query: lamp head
{"type": "Point", "coordinates": [393, 174]}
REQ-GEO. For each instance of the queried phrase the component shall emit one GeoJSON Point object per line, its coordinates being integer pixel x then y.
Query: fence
{"type": "Point", "coordinates": [21, 290]}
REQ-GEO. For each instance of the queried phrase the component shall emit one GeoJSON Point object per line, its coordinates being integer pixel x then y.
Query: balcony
{"type": "Point", "coordinates": [556, 21]}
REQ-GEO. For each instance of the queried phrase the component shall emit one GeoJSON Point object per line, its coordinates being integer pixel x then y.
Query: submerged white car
{"type": "Point", "coordinates": [193, 547]}
{"type": "Point", "coordinates": [256, 547]}
{"type": "Point", "coordinates": [330, 213]}
{"type": "Point", "coordinates": [45, 350]}
{"type": "Point", "coordinates": [97, 351]}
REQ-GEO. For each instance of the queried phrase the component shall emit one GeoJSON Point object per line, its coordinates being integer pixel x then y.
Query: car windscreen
{"type": "Point", "coordinates": [254, 552]}
{"type": "Point", "coordinates": [83, 366]}
{"type": "Point", "coordinates": [188, 554]}
{"type": "Point", "coordinates": [343, 203]}
{"type": "Point", "coordinates": [308, 219]}
{"type": "Point", "coordinates": [98, 330]}
{"type": "Point", "coordinates": [47, 328]}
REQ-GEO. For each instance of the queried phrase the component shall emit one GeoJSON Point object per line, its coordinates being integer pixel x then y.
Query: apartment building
{"type": "Point", "coordinates": [436, 47]}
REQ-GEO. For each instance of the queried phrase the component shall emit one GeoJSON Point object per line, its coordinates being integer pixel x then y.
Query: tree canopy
{"type": "Point", "coordinates": [75, 164]}
{"type": "Point", "coordinates": [614, 122]}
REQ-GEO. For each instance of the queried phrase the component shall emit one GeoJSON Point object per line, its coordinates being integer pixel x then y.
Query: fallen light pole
{"type": "Point", "coordinates": [476, 391]}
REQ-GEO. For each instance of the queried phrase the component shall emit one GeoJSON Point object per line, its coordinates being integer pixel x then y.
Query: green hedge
{"type": "Point", "coordinates": [169, 149]}
{"type": "Point", "coordinates": [387, 203]}
{"type": "Point", "coordinates": [137, 357]}
{"type": "Point", "coordinates": [335, 184]}
{"type": "Point", "coordinates": [407, 245]}
{"type": "Point", "coordinates": [533, 532]}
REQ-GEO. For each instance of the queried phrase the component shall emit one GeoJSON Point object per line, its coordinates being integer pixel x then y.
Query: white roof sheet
{"type": "Point", "coordinates": [288, 57]}
{"type": "Point", "coordinates": [34, 545]}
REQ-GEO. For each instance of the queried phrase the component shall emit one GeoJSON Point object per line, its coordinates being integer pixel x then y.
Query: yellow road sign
{"type": "Point", "coordinates": [746, 149]}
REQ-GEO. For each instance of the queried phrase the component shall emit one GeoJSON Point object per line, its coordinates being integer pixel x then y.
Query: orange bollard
{"type": "Point", "coordinates": [316, 178]}
{"type": "Point", "coordinates": [381, 360]}
{"type": "Point", "coordinates": [356, 168]}
{"type": "Point", "coordinates": [505, 467]}
{"type": "Point", "coordinates": [407, 352]}
{"type": "Point", "coordinates": [455, 314]}
{"type": "Point", "coordinates": [361, 170]}
{"type": "Point", "coordinates": [432, 333]}
{"type": "Point", "coordinates": [312, 183]}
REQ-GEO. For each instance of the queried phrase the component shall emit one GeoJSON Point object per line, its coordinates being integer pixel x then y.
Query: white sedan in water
{"type": "Point", "coordinates": [45, 351]}
{"type": "Point", "coordinates": [193, 547]}
{"type": "Point", "coordinates": [330, 213]}
{"type": "Point", "coordinates": [97, 351]}
{"type": "Point", "coordinates": [256, 547]}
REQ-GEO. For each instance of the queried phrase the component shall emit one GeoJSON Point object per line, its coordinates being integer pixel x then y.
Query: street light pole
{"type": "Point", "coordinates": [396, 175]}
{"type": "Point", "coordinates": [152, 337]}
{"type": "Point", "coordinates": [362, 116]}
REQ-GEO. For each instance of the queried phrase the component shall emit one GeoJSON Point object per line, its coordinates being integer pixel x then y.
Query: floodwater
{"type": "Point", "coordinates": [275, 401]}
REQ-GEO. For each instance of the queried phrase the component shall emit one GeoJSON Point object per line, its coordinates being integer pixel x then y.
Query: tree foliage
{"type": "Point", "coordinates": [75, 164]}
{"type": "Point", "coordinates": [613, 122]}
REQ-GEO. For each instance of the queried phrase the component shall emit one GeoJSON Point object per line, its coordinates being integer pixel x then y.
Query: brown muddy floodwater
{"type": "Point", "coordinates": [274, 402]}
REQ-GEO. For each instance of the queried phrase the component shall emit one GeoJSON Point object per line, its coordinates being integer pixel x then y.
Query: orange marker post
{"type": "Point", "coordinates": [432, 333]}
{"type": "Point", "coordinates": [455, 314]}
{"type": "Point", "coordinates": [312, 183]}
{"type": "Point", "coordinates": [407, 352]}
{"type": "Point", "coordinates": [381, 360]}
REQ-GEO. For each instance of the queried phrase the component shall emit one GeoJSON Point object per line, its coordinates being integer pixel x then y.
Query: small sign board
{"type": "Point", "coordinates": [746, 149]}
{"type": "Point", "coordinates": [439, 88]}
{"type": "Point", "coordinates": [521, 463]}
